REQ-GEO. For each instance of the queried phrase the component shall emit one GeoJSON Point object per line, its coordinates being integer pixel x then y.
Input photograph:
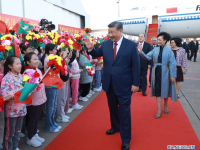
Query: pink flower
{"type": "Point", "coordinates": [26, 43]}
{"type": "Point", "coordinates": [34, 38]}
{"type": "Point", "coordinates": [62, 40]}
{"type": "Point", "coordinates": [17, 41]}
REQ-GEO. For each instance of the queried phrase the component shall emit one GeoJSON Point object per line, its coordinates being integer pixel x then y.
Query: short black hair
{"type": "Point", "coordinates": [116, 24]}
{"type": "Point", "coordinates": [177, 40]}
{"type": "Point", "coordinates": [166, 36]}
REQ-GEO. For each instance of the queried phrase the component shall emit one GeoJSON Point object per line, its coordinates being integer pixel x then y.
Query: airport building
{"type": "Point", "coordinates": [65, 14]}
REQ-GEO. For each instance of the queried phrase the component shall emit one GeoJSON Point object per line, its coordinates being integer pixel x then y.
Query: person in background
{"type": "Point", "coordinates": [144, 65]}
{"type": "Point", "coordinates": [26, 49]}
{"type": "Point", "coordinates": [75, 78]}
{"type": "Point", "coordinates": [14, 112]}
{"type": "Point", "coordinates": [85, 79]}
{"type": "Point", "coordinates": [164, 72]}
{"type": "Point", "coordinates": [63, 98]}
{"type": "Point", "coordinates": [98, 68]}
{"type": "Point", "coordinates": [194, 46]}
{"type": "Point", "coordinates": [181, 62]}
{"type": "Point", "coordinates": [186, 47]}
{"type": "Point", "coordinates": [51, 93]}
{"type": "Point", "coordinates": [39, 98]}
{"type": "Point", "coordinates": [69, 59]}
{"type": "Point", "coordinates": [154, 45]}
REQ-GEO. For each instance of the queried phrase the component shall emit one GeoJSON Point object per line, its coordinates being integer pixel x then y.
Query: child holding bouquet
{"type": "Point", "coordinates": [39, 98]}
{"type": "Point", "coordinates": [85, 79]}
{"type": "Point", "coordinates": [98, 68]}
{"type": "Point", "coordinates": [75, 80]}
{"type": "Point", "coordinates": [14, 112]}
{"type": "Point", "coordinates": [51, 93]}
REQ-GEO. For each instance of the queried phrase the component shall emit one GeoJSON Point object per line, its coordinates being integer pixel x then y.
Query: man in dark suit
{"type": "Point", "coordinates": [121, 78]}
{"type": "Point", "coordinates": [194, 46]}
{"type": "Point", "coordinates": [146, 47]}
{"type": "Point", "coordinates": [154, 44]}
{"type": "Point", "coordinates": [186, 47]}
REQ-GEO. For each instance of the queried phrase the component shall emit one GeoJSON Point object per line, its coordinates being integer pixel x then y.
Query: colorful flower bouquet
{"type": "Point", "coordinates": [100, 59]}
{"type": "Point", "coordinates": [105, 38]}
{"type": "Point", "coordinates": [33, 77]}
{"type": "Point", "coordinates": [36, 29]}
{"type": "Point", "coordinates": [54, 63]}
{"type": "Point", "coordinates": [87, 30]}
{"type": "Point", "coordinates": [33, 39]}
{"type": "Point", "coordinates": [7, 43]}
{"type": "Point", "coordinates": [64, 67]}
{"type": "Point", "coordinates": [90, 69]}
{"type": "Point", "coordinates": [78, 38]}
{"type": "Point", "coordinates": [64, 41]}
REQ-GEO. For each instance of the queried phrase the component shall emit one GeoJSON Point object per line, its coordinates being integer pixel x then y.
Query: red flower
{"type": "Point", "coordinates": [11, 43]}
{"type": "Point", "coordinates": [2, 48]}
{"type": "Point", "coordinates": [62, 71]}
{"type": "Point", "coordinates": [40, 40]}
{"type": "Point", "coordinates": [57, 71]}
{"type": "Point", "coordinates": [36, 74]}
{"type": "Point", "coordinates": [49, 63]}
{"type": "Point", "coordinates": [67, 44]}
{"type": "Point", "coordinates": [8, 38]}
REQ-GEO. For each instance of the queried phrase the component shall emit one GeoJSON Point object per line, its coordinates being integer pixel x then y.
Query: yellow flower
{"type": "Point", "coordinates": [10, 28]}
{"type": "Point", "coordinates": [29, 37]}
{"type": "Point", "coordinates": [50, 57]}
{"type": "Point", "coordinates": [70, 42]}
{"type": "Point", "coordinates": [49, 33]}
{"type": "Point", "coordinates": [76, 35]}
{"type": "Point", "coordinates": [71, 46]}
{"type": "Point", "coordinates": [37, 36]}
{"type": "Point", "coordinates": [26, 77]}
{"type": "Point", "coordinates": [42, 36]}
{"type": "Point", "coordinates": [87, 27]}
{"type": "Point", "coordinates": [8, 48]}
{"type": "Point", "coordinates": [58, 59]}
{"type": "Point", "coordinates": [62, 45]}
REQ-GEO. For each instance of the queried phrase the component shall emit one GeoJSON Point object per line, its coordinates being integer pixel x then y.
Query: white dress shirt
{"type": "Point", "coordinates": [142, 44]}
{"type": "Point", "coordinates": [118, 44]}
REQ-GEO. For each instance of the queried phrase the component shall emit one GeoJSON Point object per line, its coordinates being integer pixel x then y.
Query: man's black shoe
{"type": "Point", "coordinates": [139, 90]}
{"type": "Point", "coordinates": [111, 132]}
{"type": "Point", "coordinates": [194, 60]}
{"type": "Point", "coordinates": [125, 146]}
{"type": "Point", "coordinates": [144, 93]}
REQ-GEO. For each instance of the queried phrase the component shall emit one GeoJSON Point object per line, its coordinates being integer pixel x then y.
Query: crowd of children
{"type": "Point", "coordinates": [79, 85]}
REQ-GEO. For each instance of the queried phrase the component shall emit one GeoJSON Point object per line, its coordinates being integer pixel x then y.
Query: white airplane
{"type": "Point", "coordinates": [182, 20]}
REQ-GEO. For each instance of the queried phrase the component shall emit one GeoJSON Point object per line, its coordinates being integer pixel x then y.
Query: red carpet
{"type": "Point", "coordinates": [87, 131]}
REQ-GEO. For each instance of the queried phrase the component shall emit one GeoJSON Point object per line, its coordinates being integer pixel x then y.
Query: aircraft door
{"type": "Point", "coordinates": [154, 19]}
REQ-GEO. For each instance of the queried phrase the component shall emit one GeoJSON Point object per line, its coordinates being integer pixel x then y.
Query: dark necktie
{"type": "Point", "coordinates": [115, 50]}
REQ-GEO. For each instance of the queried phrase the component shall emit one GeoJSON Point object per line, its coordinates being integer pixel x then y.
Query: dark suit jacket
{"type": "Point", "coordinates": [143, 63]}
{"type": "Point", "coordinates": [194, 48]}
{"type": "Point", "coordinates": [124, 71]}
{"type": "Point", "coordinates": [186, 46]}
